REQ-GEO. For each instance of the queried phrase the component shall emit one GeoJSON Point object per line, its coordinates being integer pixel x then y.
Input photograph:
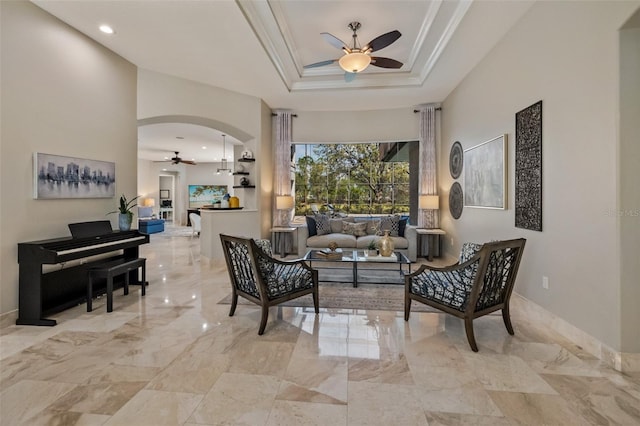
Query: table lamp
{"type": "Point", "coordinates": [284, 203]}
{"type": "Point", "coordinates": [430, 202]}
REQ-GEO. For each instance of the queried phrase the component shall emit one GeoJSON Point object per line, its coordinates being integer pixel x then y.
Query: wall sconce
{"type": "Point", "coordinates": [284, 203]}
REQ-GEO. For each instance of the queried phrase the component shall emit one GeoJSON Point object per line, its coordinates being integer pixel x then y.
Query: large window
{"type": "Point", "coordinates": [351, 178]}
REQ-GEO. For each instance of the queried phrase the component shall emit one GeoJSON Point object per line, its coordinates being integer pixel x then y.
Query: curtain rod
{"type": "Point", "coordinates": [417, 110]}
{"type": "Point", "coordinates": [273, 114]}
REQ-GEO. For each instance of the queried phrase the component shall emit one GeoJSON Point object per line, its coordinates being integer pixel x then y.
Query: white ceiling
{"type": "Point", "coordinates": [259, 48]}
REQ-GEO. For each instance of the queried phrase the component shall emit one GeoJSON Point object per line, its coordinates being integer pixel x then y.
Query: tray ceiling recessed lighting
{"type": "Point", "coordinates": [106, 29]}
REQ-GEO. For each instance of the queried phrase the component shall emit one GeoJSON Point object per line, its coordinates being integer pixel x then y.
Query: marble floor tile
{"type": "Point", "coordinates": [20, 403]}
{"type": "Point", "coordinates": [384, 404]}
{"type": "Point", "coordinates": [315, 380]}
{"type": "Point", "coordinates": [598, 400]}
{"type": "Point", "coordinates": [175, 357]}
{"type": "Point", "coordinates": [506, 373]}
{"type": "Point", "coordinates": [156, 408]}
{"type": "Point", "coordinates": [238, 399]}
{"type": "Point", "coordinates": [307, 414]}
{"type": "Point", "coordinates": [456, 419]}
{"type": "Point", "coordinates": [535, 408]}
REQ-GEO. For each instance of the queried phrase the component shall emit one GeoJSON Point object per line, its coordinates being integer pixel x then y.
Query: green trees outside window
{"type": "Point", "coordinates": [350, 177]}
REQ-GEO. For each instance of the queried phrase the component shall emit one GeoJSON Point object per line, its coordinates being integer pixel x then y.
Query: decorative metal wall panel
{"type": "Point", "coordinates": [528, 196]}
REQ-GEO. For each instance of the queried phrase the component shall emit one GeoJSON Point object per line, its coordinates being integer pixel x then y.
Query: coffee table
{"type": "Point", "coordinates": [357, 259]}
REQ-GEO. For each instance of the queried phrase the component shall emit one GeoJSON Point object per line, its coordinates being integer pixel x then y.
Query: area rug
{"type": "Point", "coordinates": [375, 297]}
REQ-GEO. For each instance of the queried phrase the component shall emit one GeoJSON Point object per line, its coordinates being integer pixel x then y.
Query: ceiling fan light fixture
{"type": "Point", "coordinates": [354, 62]}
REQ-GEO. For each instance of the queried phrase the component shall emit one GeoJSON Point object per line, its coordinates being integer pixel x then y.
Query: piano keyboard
{"type": "Point", "coordinates": [100, 245]}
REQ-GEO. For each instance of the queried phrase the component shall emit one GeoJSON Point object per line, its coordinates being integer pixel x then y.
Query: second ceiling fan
{"type": "Point", "coordinates": [357, 58]}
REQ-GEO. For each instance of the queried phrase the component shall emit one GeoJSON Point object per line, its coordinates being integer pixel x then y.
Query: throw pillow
{"type": "Point", "coordinates": [355, 229]}
{"type": "Point", "coordinates": [336, 225]}
{"type": "Point", "coordinates": [311, 226]}
{"type": "Point", "coordinates": [402, 224]}
{"type": "Point", "coordinates": [391, 224]}
{"type": "Point", "coordinates": [323, 225]}
{"type": "Point", "coordinates": [373, 226]}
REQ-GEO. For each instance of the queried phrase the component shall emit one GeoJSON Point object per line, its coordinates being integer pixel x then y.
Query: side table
{"type": "Point", "coordinates": [433, 236]}
{"type": "Point", "coordinates": [282, 239]}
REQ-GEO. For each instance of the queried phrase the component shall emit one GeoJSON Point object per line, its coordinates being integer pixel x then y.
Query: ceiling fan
{"type": "Point", "coordinates": [356, 58]}
{"type": "Point", "coordinates": [178, 160]}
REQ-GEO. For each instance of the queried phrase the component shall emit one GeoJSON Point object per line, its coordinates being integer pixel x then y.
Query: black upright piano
{"type": "Point", "coordinates": [63, 286]}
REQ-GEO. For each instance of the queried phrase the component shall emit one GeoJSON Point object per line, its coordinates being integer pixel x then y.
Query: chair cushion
{"type": "Point", "coordinates": [280, 284]}
{"type": "Point", "coordinates": [451, 288]}
{"type": "Point", "coordinates": [322, 241]}
{"type": "Point", "coordinates": [144, 212]}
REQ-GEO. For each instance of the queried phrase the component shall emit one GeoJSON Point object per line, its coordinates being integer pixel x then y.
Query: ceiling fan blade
{"type": "Point", "coordinates": [385, 62]}
{"type": "Point", "coordinates": [349, 76]}
{"type": "Point", "coordinates": [320, 64]}
{"type": "Point", "coordinates": [334, 41]}
{"type": "Point", "coordinates": [383, 41]}
{"type": "Point", "coordinates": [193, 163]}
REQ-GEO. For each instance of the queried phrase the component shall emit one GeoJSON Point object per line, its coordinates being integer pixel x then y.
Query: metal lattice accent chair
{"type": "Point", "coordinates": [258, 277]}
{"type": "Point", "coordinates": [480, 283]}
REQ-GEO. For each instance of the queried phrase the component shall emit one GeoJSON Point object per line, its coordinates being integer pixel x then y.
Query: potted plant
{"type": "Point", "coordinates": [372, 249]}
{"type": "Point", "coordinates": [125, 216]}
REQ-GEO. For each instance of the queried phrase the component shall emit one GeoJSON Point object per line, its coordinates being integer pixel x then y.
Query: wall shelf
{"type": "Point", "coordinates": [241, 173]}
{"type": "Point", "coordinates": [244, 186]}
{"type": "Point", "coordinates": [246, 160]}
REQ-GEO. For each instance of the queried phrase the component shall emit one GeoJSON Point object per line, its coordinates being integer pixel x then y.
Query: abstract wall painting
{"type": "Point", "coordinates": [485, 174]}
{"type": "Point", "coordinates": [528, 193]}
{"type": "Point", "coordinates": [58, 177]}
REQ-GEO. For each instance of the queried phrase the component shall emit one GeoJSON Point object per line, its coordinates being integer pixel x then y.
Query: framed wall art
{"type": "Point", "coordinates": [58, 177]}
{"type": "Point", "coordinates": [485, 174]}
{"type": "Point", "coordinates": [528, 194]}
{"type": "Point", "coordinates": [202, 195]}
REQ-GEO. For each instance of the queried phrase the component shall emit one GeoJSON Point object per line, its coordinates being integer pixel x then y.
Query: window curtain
{"type": "Point", "coordinates": [282, 161]}
{"type": "Point", "coordinates": [427, 183]}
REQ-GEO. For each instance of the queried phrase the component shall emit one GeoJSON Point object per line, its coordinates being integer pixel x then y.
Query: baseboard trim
{"type": "Point", "coordinates": [8, 318]}
{"type": "Point", "coordinates": [624, 362]}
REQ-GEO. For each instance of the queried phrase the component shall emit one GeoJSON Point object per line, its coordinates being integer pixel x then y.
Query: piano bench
{"type": "Point", "coordinates": [112, 269]}
{"type": "Point", "coordinates": [150, 226]}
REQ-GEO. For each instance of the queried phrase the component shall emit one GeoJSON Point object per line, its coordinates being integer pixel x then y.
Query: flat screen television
{"type": "Point", "coordinates": [202, 195]}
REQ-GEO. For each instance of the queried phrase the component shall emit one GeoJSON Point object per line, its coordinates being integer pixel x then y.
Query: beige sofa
{"type": "Point", "coordinates": [406, 242]}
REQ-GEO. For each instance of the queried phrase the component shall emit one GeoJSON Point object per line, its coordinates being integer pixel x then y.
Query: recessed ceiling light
{"type": "Point", "coordinates": [166, 158]}
{"type": "Point", "coordinates": [106, 29]}
{"type": "Point", "coordinates": [164, 170]}
{"type": "Point", "coordinates": [204, 147]}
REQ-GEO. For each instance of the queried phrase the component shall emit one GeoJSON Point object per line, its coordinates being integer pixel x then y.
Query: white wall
{"type": "Point", "coordinates": [629, 197]}
{"type": "Point", "coordinates": [63, 94]}
{"type": "Point", "coordinates": [356, 126]}
{"type": "Point", "coordinates": [565, 53]}
{"type": "Point", "coordinates": [243, 117]}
